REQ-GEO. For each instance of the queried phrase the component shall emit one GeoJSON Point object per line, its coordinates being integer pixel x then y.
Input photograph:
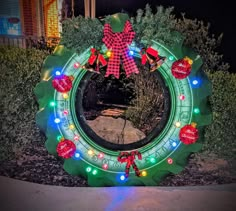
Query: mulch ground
{"type": "Point", "coordinates": [34, 164]}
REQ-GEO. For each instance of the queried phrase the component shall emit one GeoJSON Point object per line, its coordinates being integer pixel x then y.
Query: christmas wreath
{"type": "Point", "coordinates": [65, 70]}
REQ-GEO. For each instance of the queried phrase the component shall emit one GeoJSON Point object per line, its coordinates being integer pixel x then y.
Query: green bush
{"type": "Point", "coordinates": [221, 134]}
{"type": "Point", "coordinates": [159, 26]}
{"type": "Point", "coordinates": [20, 71]}
{"type": "Point", "coordinates": [80, 33]}
{"type": "Point", "coordinates": [197, 36]}
{"type": "Point", "coordinates": [148, 104]}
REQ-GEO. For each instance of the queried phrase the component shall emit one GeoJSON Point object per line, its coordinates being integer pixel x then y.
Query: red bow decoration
{"type": "Point", "coordinates": [151, 55]}
{"type": "Point", "coordinates": [119, 42]}
{"type": "Point", "coordinates": [96, 57]}
{"type": "Point", "coordinates": [129, 157]}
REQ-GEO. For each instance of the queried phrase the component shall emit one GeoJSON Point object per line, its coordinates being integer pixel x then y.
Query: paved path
{"type": "Point", "coordinates": [17, 195]}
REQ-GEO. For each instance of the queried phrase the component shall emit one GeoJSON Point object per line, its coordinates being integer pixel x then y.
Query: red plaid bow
{"type": "Point", "coordinates": [119, 42]}
{"type": "Point", "coordinates": [129, 157]}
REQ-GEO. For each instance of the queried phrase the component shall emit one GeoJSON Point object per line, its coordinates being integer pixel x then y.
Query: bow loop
{"type": "Point", "coordinates": [108, 36]}
{"type": "Point", "coordinates": [129, 34]}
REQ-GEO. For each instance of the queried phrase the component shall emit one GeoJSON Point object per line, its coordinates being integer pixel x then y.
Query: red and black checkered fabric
{"type": "Point", "coordinates": [118, 44]}
{"type": "Point", "coordinates": [129, 158]}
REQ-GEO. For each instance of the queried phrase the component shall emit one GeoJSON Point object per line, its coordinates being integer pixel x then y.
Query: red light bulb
{"type": "Point", "coordinates": [170, 160]}
{"type": "Point", "coordinates": [105, 166]}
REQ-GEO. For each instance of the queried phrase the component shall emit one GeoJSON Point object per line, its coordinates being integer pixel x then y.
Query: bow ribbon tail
{"type": "Point", "coordinates": [113, 67]}
{"type": "Point", "coordinates": [144, 59]}
{"type": "Point", "coordinates": [129, 64]}
{"type": "Point", "coordinates": [93, 56]}
{"type": "Point", "coordinates": [127, 168]}
{"type": "Point", "coordinates": [102, 60]}
{"type": "Point", "coordinates": [143, 56]}
{"type": "Point", "coordinates": [137, 172]}
{"type": "Point", "coordinates": [137, 153]}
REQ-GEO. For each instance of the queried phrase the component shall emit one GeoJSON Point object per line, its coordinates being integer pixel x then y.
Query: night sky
{"type": "Point", "coordinates": [218, 13]}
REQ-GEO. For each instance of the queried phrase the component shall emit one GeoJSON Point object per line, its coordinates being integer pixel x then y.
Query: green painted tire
{"type": "Point", "coordinates": [156, 153]}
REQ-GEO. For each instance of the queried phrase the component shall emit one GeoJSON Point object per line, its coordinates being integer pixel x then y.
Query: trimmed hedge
{"type": "Point", "coordinates": [221, 134]}
{"type": "Point", "coordinates": [80, 33]}
{"type": "Point", "coordinates": [20, 72]}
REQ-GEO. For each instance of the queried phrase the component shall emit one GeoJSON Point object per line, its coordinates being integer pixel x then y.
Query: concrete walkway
{"type": "Point", "coordinates": [17, 195]}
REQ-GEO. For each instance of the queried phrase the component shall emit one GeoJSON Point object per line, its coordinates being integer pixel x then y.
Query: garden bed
{"type": "Point", "coordinates": [34, 164]}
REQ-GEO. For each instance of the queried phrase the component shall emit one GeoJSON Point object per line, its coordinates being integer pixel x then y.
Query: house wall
{"type": "Point", "coordinates": [10, 22]}
{"type": "Point", "coordinates": [51, 18]}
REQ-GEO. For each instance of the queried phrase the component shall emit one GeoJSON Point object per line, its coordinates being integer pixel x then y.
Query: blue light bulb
{"type": "Point", "coordinates": [195, 82]}
{"type": "Point", "coordinates": [58, 73]}
{"type": "Point", "coordinates": [77, 155]}
{"type": "Point", "coordinates": [174, 144]}
{"type": "Point", "coordinates": [131, 53]}
{"type": "Point", "coordinates": [57, 120]}
{"type": "Point", "coordinates": [122, 177]}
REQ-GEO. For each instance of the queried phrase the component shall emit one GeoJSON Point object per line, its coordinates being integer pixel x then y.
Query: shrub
{"type": "Point", "coordinates": [148, 104]}
{"type": "Point", "coordinates": [221, 134]}
{"type": "Point", "coordinates": [20, 71]}
{"type": "Point", "coordinates": [80, 33]}
{"type": "Point", "coordinates": [159, 26]}
{"type": "Point", "coordinates": [196, 36]}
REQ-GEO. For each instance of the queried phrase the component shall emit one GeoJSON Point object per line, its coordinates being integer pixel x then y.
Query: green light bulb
{"type": "Point", "coordinates": [88, 169]}
{"type": "Point", "coordinates": [152, 160]}
{"type": "Point", "coordinates": [94, 172]}
{"type": "Point", "coordinates": [196, 110]}
{"type": "Point", "coordinates": [52, 103]}
{"type": "Point", "coordinates": [59, 137]}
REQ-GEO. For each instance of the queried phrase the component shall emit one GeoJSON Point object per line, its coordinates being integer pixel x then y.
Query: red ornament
{"type": "Point", "coordinates": [181, 68]}
{"type": "Point", "coordinates": [188, 134]}
{"type": "Point", "coordinates": [62, 83]}
{"type": "Point", "coordinates": [66, 149]}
